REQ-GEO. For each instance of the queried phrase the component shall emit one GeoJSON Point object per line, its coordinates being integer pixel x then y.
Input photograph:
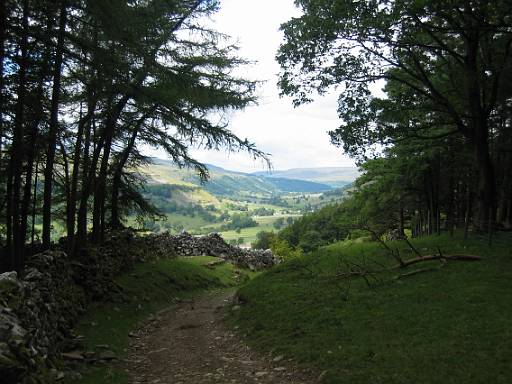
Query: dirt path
{"type": "Point", "coordinates": [188, 344]}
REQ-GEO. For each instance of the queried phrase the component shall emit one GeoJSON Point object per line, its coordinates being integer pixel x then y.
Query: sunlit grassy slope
{"type": "Point", "coordinates": [451, 325]}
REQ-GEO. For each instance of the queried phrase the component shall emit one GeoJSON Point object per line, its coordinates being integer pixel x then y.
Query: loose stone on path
{"type": "Point", "coordinates": [190, 345]}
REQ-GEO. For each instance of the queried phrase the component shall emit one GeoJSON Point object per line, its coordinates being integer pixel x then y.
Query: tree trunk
{"type": "Point", "coordinates": [15, 246]}
{"type": "Point", "coordinates": [65, 160]}
{"type": "Point", "coordinates": [27, 192]}
{"type": "Point", "coordinates": [505, 192]}
{"type": "Point", "coordinates": [81, 218]}
{"type": "Point", "coordinates": [88, 178]}
{"type": "Point", "coordinates": [431, 208]}
{"type": "Point", "coordinates": [401, 219]}
{"type": "Point", "coordinates": [450, 209]}
{"type": "Point", "coordinates": [84, 206]}
{"type": "Point", "coordinates": [105, 143]}
{"type": "Point", "coordinates": [478, 126]}
{"type": "Point", "coordinates": [31, 148]}
{"type": "Point", "coordinates": [3, 39]}
{"type": "Point", "coordinates": [34, 205]}
{"type": "Point", "coordinates": [53, 127]}
{"type": "Point", "coordinates": [467, 218]}
{"type": "Point", "coordinates": [486, 192]}
{"type": "Point", "coordinates": [71, 204]}
{"type": "Point", "coordinates": [100, 188]}
{"type": "Point", "coordinates": [116, 181]}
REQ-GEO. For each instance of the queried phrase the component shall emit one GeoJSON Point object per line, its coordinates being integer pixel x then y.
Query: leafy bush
{"type": "Point", "coordinates": [263, 240]}
{"type": "Point", "coordinates": [262, 211]}
{"type": "Point", "coordinates": [284, 250]}
{"type": "Point", "coordinates": [239, 221]}
{"type": "Point", "coordinates": [279, 223]}
{"type": "Point", "coordinates": [325, 226]}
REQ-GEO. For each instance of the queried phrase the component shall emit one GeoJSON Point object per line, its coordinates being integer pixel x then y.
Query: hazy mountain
{"type": "Point", "coordinates": [333, 176]}
{"type": "Point", "coordinates": [230, 183]}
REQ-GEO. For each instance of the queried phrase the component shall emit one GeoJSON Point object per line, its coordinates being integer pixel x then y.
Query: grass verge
{"type": "Point", "coordinates": [147, 289]}
{"type": "Point", "coordinates": [449, 325]}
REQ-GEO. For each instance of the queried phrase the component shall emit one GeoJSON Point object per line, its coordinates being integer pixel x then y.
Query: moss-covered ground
{"type": "Point", "coordinates": [452, 324]}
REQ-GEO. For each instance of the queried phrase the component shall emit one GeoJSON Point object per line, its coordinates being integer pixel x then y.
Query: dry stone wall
{"type": "Point", "coordinates": [37, 314]}
{"type": "Point", "coordinates": [213, 244]}
{"type": "Point", "coordinates": [38, 311]}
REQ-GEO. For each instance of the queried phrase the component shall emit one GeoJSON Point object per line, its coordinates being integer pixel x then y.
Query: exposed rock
{"type": "Point", "coordinates": [278, 358]}
{"type": "Point", "coordinates": [75, 355]}
{"type": "Point", "coordinates": [36, 314]}
{"type": "Point", "coordinates": [107, 355]}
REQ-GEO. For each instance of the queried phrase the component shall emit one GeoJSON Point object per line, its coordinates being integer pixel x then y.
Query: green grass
{"type": "Point", "coordinates": [452, 325]}
{"type": "Point", "coordinates": [187, 222]}
{"type": "Point", "coordinates": [264, 220]}
{"type": "Point", "coordinates": [147, 289]}
{"type": "Point", "coordinates": [174, 220]}
{"type": "Point", "coordinates": [248, 234]}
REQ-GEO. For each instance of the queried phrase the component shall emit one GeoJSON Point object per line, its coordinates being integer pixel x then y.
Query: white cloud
{"type": "Point", "coordinates": [296, 137]}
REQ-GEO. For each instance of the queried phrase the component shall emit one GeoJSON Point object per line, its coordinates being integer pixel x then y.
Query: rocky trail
{"type": "Point", "coordinates": [188, 344]}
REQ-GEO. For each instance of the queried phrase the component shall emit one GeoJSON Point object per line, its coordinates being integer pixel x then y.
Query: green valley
{"type": "Point", "coordinates": [235, 204]}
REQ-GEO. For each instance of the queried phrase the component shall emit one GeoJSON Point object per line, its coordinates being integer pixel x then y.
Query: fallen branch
{"type": "Point", "coordinates": [415, 272]}
{"type": "Point", "coordinates": [407, 263]}
{"type": "Point", "coordinates": [412, 247]}
{"type": "Point", "coordinates": [359, 271]}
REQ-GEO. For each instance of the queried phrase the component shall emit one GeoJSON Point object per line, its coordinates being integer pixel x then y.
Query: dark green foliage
{"type": "Point", "coordinates": [239, 221]}
{"type": "Point", "coordinates": [279, 223]}
{"type": "Point", "coordinates": [327, 225]}
{"type": "Point", "coordinates": [166, 81]}
{"type": "Point", "coordinates": [262, 211]}
{"type": "Point", "coordinates": [263, 240]}
{"type": "Point", "coordinates": [445, 67]}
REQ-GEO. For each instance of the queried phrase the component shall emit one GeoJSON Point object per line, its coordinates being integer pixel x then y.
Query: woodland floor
{"type": "Point", "coordinates": [189, 343]}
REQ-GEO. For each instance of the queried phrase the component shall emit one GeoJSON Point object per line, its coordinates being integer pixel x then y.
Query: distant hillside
{"type": "Point", "coordinates": [333, 176]}
{"type": "Point", "coordinates": [227, 183]}
{"type": "Point", "coordinates": [296, 185]}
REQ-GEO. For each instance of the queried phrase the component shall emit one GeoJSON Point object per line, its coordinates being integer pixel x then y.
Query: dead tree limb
{"type": "Point", "coordinates": [417, 271]}
{"type": "Point", "coordinates": [407, 263]}
{"type": "Point", "coordinates": [356, 270]}
{"type": "Point", "coordinates": [412, 247]}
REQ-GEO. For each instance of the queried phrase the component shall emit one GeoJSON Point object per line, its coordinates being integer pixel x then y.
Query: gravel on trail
{"type": "Point", "coordinates": [189, 344]}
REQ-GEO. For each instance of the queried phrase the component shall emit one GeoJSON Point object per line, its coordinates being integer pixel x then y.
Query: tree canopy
{"type": "Point", "coordinates": [84, 86]}
{"type": "Point", "coordinates": [445, 67]}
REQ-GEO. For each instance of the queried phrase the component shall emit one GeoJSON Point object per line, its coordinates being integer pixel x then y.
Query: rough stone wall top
{"type": "Point", "coordinates": [213, 244]}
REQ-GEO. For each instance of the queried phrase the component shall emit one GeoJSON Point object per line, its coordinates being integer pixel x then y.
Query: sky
{"type": "Point", "coordinates": [295, 137]}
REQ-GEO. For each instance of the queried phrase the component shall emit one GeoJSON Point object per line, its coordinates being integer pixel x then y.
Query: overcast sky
{"type": "Point", "coordinates": [295, 137]}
